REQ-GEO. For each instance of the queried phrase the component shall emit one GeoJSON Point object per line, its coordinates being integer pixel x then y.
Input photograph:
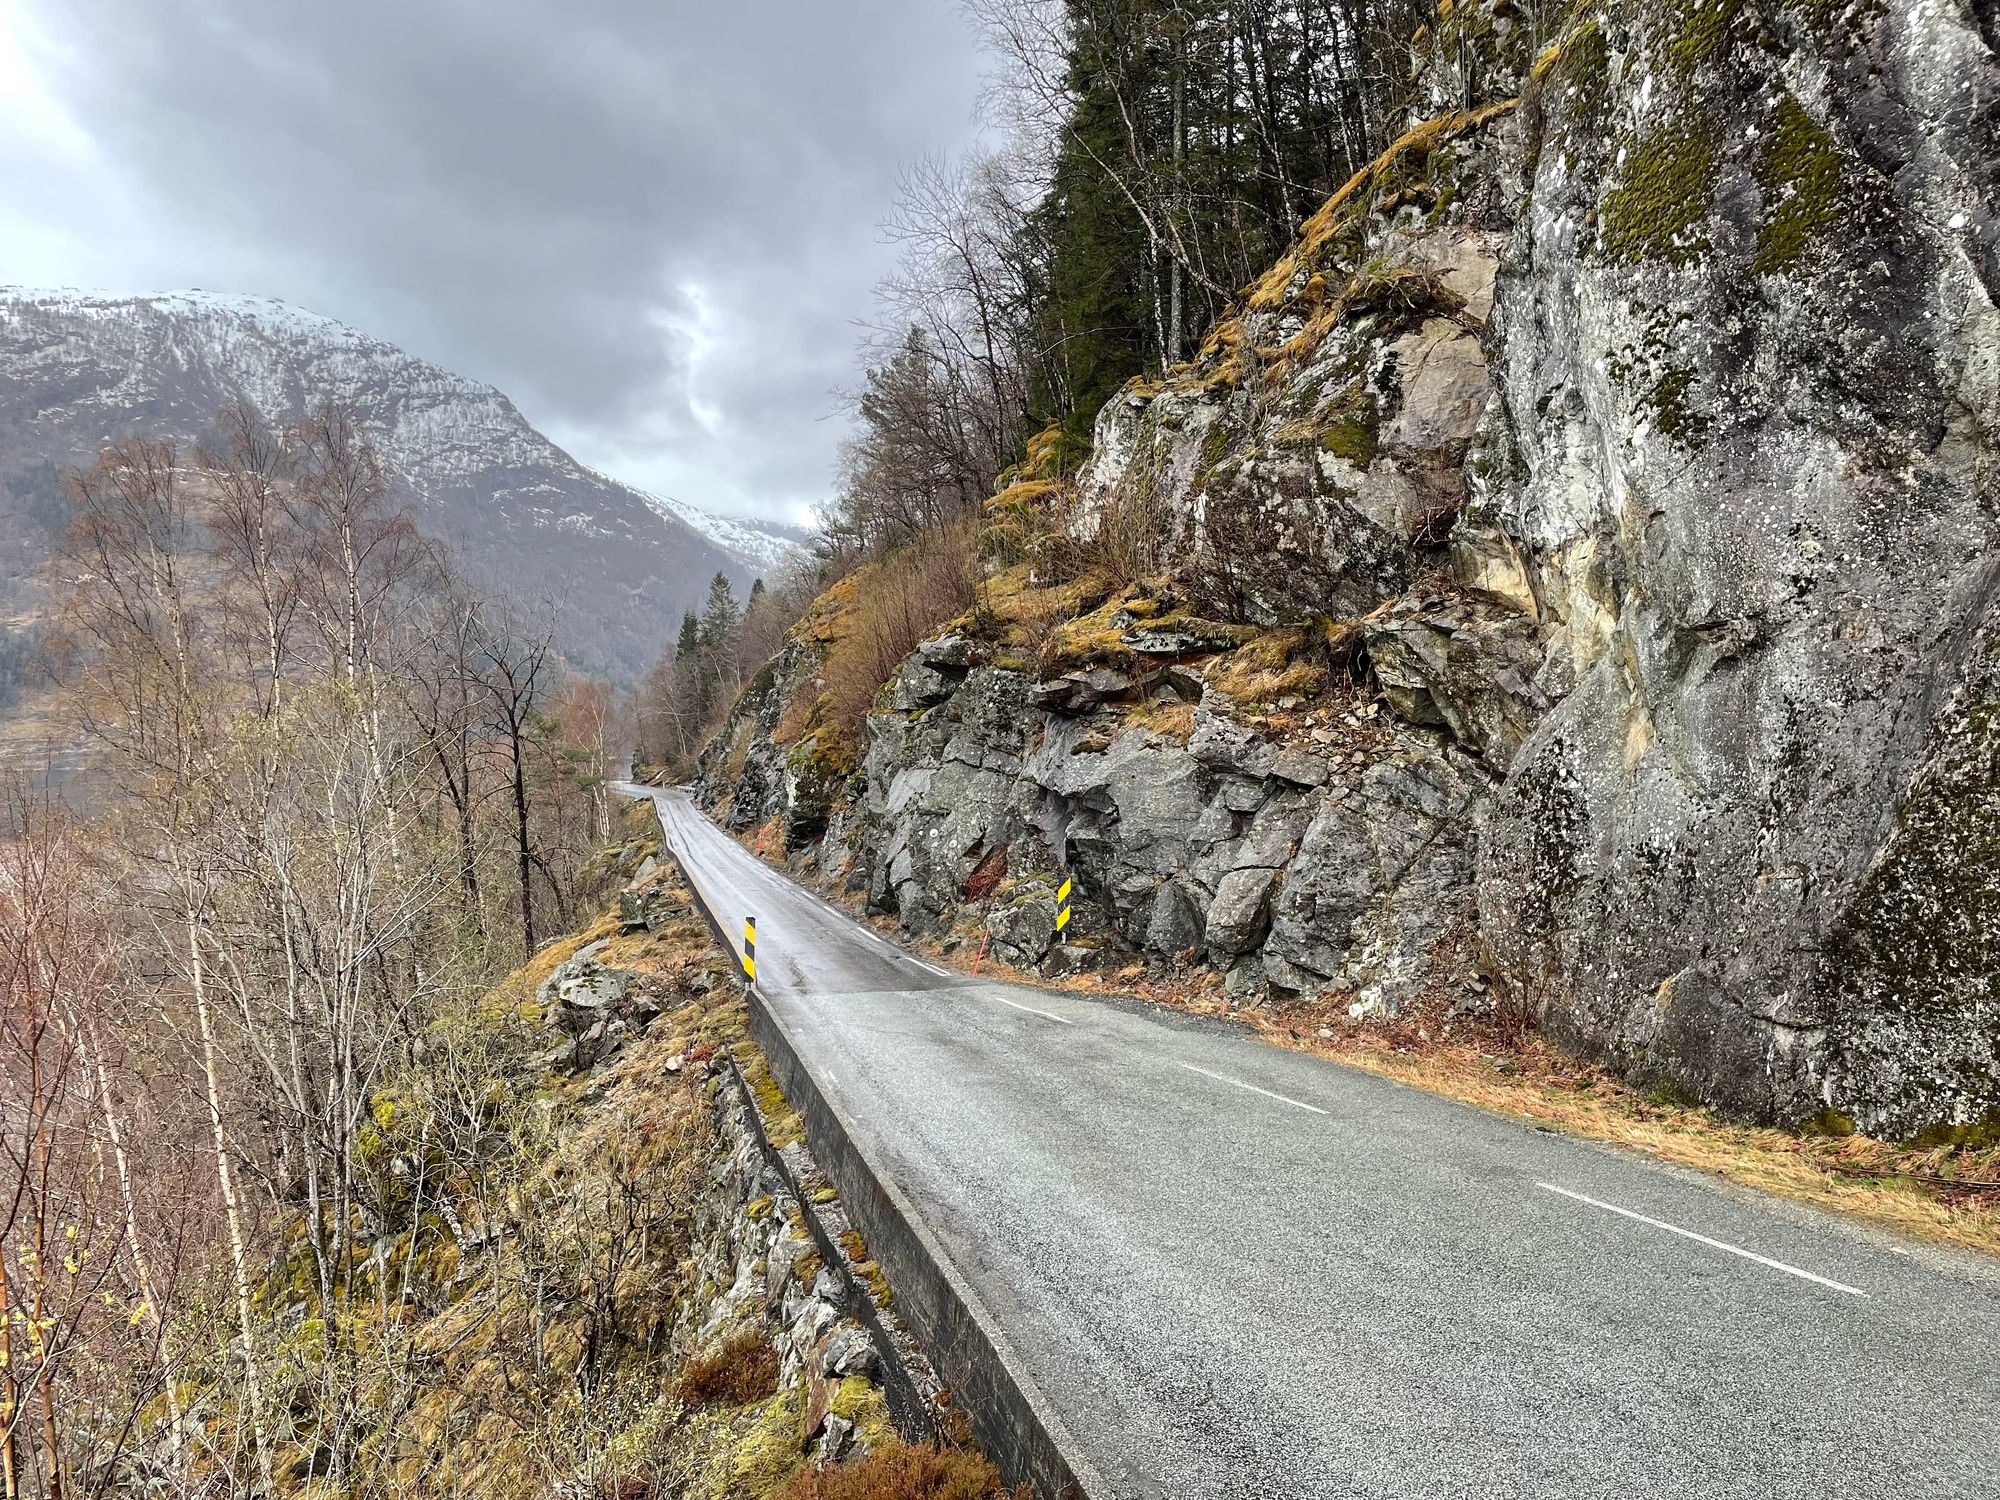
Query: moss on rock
{"type": "Point", "coordinates": [1657, 210]}
{"type": "Point", "coordinates": [1799, 171]}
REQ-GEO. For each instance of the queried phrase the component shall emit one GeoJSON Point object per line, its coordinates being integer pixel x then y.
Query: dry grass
{"type": "Point", "coordinates": [1278, 664]}
{"type": "Point", "coordinates": [1172, 720]}
{"type": "Point", "coordinates": [899, 602]}
{"type": "Point", "coordinates": [741, 1369]}
{"type": "Point", "coordinates": [902, 1471]}
{"type": "Point", "coordinates": [1018, 613]}
{"type": "Point", "coordinates": [866, 624]}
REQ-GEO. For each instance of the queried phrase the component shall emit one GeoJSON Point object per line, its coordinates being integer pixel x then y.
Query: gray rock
{"type": "Point", "coordinates": [1023, 929]}
{"type": "Point", "coordinates": [1222, 744]}
{"type": "Point", "coordinates": [1748, 492]}
{"type": "Point", "coordinates": [949, 653]}
{"type": "Point", "coordinates": [918, 685]}
{"type": "Point", "coordinates": [1069, 958]}
{"type": "Point", "coordinates": [1176, 921]}
{"type": "Point", "coordinates": [581, 992]}
{"type": "Point", "coordinates": [850, 1351]}
{"type": "Point", "coordinates": [1073, 692]}
{"type": "Point", "coordinates": [836, 1438]}
{"type": "Point", "coordinates": [1178, 638]}
{"type": "Point", "coordinates": [1241, 911]}
{"type": "Point", "coordinates": [1463, 665]}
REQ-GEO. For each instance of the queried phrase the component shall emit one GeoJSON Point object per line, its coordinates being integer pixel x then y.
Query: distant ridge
{"type": "Point", "coordinates": [78, 369]}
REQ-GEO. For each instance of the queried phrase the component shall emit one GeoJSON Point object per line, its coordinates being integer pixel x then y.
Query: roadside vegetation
{"type": "Point", "coordinates": [512, 1307]}
{"type": "Point", "coordinates": [342, 792]}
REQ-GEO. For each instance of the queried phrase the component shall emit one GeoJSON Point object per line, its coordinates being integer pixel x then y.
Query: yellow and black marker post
{"type": "Point", "coordinates": [750, 949]}
{"type": "Point", "coordinates": [1062, 906]}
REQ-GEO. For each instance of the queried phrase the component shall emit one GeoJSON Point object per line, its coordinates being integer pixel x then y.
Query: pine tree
{"type": "Point", "coordinates": [1096, 300]}
{"type": "Point", "coordinates": [719, 618]}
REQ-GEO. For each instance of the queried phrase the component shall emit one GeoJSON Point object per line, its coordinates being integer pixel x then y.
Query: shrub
{"type": "Point", "coordinates": [741, 1369]}
{"type": "Point", "coordinates": [899, 602]}
{"type": "Point", "coordinates": [902, 1471]}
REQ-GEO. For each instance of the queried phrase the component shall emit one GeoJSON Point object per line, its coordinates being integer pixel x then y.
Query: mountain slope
{"type": "Point", "coordinates": [77, 370]}
{"type": "Point", "coordinates": [1574, 594]}
{"type": "Point", "coordinates": [767, 544]}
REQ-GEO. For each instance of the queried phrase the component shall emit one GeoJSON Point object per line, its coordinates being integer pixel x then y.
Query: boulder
{"type": "Point", "coordinates": [1023, 929]}
{"type": "Point", "coordinates": [1241, 911]}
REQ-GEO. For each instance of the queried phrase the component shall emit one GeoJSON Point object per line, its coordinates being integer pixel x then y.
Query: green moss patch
{"type": "Point", "coordinates": [1799, 171]}
{"type": "Point", "coordinates": [1664, 191]}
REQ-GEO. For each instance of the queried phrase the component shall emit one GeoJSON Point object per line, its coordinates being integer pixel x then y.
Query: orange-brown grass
{"type": "Point", "coordinates": [897, 1470]}
{"type": "Point", "coordinates": [1173, 720]}
{"type": "Point", "coordinates": [741, 1369]}
{"type": "Point", "coordinates": [1277, 664]}
{"type": "Point", "coordinates": [865, 624]}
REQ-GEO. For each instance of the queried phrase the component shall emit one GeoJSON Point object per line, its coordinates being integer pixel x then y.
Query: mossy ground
{"type": "Point", "coordinates": [511, 1337]}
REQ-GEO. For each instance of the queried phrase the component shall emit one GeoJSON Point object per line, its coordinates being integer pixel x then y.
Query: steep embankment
{"type": "Point", "coordinates": [1570, 570]}
{"type": "Point", "coordinates": [605, 1263]}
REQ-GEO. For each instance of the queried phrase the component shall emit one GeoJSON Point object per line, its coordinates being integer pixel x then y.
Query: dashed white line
{"type": "Point", "coordinates": [940, 972]}
{"type": "Point", "coordinates": [1281, 1098]}
{"type": "Point", "coordinates": [1051, 1015]}
{"type": "Point", "coordinates": [1762, 1260]}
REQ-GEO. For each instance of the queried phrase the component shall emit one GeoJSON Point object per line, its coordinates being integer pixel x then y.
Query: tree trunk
{"type": "Point", "coordinates": [521, 848]}
{"type": "Point", "coordinates": [231, 1205]}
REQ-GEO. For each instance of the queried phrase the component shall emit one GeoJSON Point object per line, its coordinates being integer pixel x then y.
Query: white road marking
{"type": "Point", "coordinates": [1281, 1098]}
{"type": "Point", "coordinates": [1762, 1260]}
{"type": "Point", "coordinates": [1051, 1015]}
{"type": "Point", "coordinates": [941, 973]}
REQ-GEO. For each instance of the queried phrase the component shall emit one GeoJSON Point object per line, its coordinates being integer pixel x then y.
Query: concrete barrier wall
{"type": "Point", "coordinates": [1010, 1420]}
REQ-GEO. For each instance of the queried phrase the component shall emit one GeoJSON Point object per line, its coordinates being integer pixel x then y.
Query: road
{"type": "Point", "coordinates": [1239, 1271]}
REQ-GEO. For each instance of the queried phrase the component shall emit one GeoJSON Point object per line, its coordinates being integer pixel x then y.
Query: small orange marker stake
{"type": "Point", "coordinates": [979, 957]}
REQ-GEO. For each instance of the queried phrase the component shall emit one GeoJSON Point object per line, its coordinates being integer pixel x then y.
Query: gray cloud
{"type": "Point", "coordinates": [650, 222]}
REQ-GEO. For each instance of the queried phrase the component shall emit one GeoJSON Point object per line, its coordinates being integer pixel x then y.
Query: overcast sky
{"type": "Point", "coordinates": [651, 222]}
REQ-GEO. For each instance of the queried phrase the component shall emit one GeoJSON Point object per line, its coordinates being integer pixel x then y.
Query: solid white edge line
{"type": "Point", "coordinates": [941, 973]}
{"type": "Point", "coordinates": [1281, 1098]}
{"type": "Point", "coordinates": [1762, 1260]}
{"type": "Point", "coordinates": [1051, 1015]}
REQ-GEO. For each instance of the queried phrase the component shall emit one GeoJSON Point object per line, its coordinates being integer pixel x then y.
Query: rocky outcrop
{"type": "Point", "coordinates": [1333, 857]}
{"type": "Point", "coordinates": [768, 1259]}
{"type": "Point", "coordinates": [1626, 437]}
{"type": "Point", "coordinates": [1746, 357]}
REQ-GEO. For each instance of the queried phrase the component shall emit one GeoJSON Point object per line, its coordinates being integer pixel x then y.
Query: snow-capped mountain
{"type": "Point", "coordinates": [78, 369]}
{"type": "Point", "coordinates": [768, 544]}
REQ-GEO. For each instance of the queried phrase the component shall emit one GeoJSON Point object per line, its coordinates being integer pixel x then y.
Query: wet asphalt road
{"type": "Point", "coordinates": [1238, 1271]}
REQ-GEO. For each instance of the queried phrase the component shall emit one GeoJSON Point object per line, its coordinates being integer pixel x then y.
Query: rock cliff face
{"type": "Point", "coordinates": [1584, 565]}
